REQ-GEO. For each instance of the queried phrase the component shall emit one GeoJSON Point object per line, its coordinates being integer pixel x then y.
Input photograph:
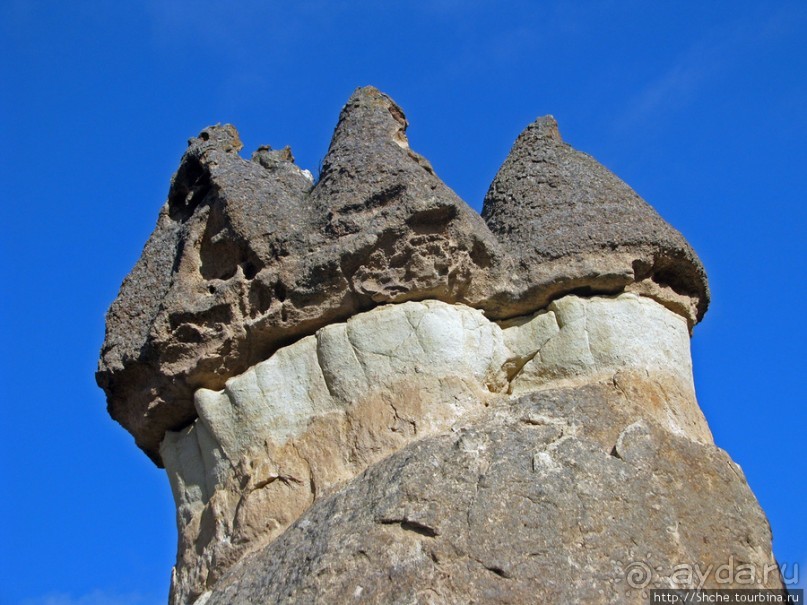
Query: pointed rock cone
{"type": "Point", "coordinates": [185, 316]}
{"type": "Point", "coordinates": [400, 232]}
{"type": "Point", "coordinates": [248, 256]}
{"type": "Point", "coordinates": [574, 225]}
{"type": "Point", "coordinates": [369, 158]}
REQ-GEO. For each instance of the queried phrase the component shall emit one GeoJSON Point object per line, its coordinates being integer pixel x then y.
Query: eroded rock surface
{"type": "Point", "coordinates": [248, 256]}
{"type": "Point", "coordinates": [362, 391]}
{"type": "Point", "coordinates": [567, 219]}
{"type": "Point", "coordinates": [546, 499]}
{"type": "Point", "coordinates": [318, 412]}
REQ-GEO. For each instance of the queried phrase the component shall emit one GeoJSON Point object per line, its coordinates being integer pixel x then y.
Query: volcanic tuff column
{"type": "Point", "coordinates": [363, 391]}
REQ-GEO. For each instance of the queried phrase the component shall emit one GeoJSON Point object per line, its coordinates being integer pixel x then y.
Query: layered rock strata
{"type": "Point", "coordinates": [569, 495]}
{"type": "Point", "coordinates": [248, 256]}
{"type": "Point", "coordinates": [318, 412]}
{"type": "Point", "coordinates": [362, 391]}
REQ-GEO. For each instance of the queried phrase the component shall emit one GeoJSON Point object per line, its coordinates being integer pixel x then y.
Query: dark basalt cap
{"type": "Point", "coordinates": [248, 256]}
{"type": "Point", "coordinates": [182, 317]}
{"type": "Point", "coordinates": [567, 218]}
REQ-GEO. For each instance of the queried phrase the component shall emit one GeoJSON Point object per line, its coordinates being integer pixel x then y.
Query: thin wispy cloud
{"type": "Point", "coordinates": [679, 85]}
{"type": "Point", "coordinates": [208, 24]}
{"type": "Point", "coordinates": [96, 597]}
{"type": "Point", "coordinates": [232, 30]}
{"type": "Point", "coordinates": [723, 49]}
{"type": "Point", "coordinates": [16, 17]}
{"type": "Point", "coordinates": [673, 90]}
{"type": "Point", "coordinates": [453, 8]}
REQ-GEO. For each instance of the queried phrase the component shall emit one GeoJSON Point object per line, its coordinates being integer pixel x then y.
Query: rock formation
{"type": "Point", "coordinates": [362, 391]}
{"type": "Point", "coordinates": [566, 218]}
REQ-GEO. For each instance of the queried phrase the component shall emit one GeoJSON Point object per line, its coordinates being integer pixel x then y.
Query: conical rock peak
{"type": "Point", "coordinates": [248, 256]}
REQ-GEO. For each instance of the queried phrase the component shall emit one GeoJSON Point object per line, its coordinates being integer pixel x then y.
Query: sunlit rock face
{"type": "Point", "coordinates": [552, 497]}
{"type": "Point", "coordinates": [363, 391]}
{"type": "Point", "coordinates": [248, 256]}
{"type": "Point", "coordinates": [565, 219]}
{"type": "Point", "coordinates": [317, 413]}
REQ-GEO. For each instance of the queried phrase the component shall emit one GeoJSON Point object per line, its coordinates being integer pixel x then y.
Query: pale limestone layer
{"type": "Point", "coordinates": [632, 340]}
{"type": "Point", "coordinates": [323, 409]}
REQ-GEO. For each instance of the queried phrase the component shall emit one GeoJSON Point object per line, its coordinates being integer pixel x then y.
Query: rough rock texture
{"type": "Point", "coordinates": [547, 499]}
{"type": "Point", "coordinates": [568, 219]}
{"type": "Point", "coordinates": [320, 411]}
{"type": "Point", "coordinates": [248, 256]}
{"type": "Point", "coordinates": [316, 414]}
{"type": "Point", "coordinates": [362, 391]}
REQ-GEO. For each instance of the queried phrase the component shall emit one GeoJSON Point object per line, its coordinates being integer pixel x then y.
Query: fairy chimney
{"type": "Point", "coordinates": [363, 391]}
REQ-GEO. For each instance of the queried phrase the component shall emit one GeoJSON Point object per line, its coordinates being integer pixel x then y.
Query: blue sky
{"type": "Point", "coordinates": [700, 106]}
